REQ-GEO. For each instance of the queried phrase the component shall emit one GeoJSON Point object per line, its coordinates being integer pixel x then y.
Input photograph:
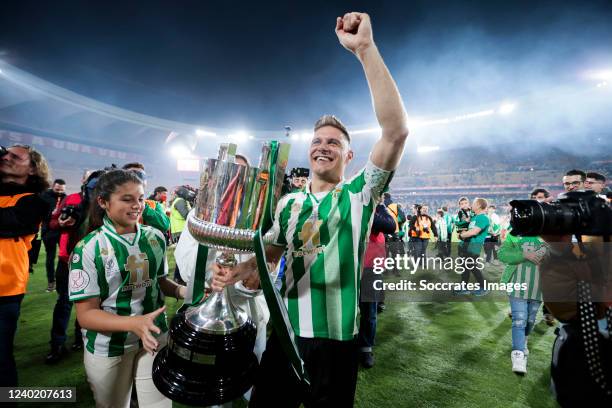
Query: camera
{"type": "Point", "coordinates": [3, 151]}
{"type": "Point", "coordinates": [70, 211]}
{"type": "Point", "coordinates": [186, 193]}
{"type": "Point", "coordinates": [575, 212]}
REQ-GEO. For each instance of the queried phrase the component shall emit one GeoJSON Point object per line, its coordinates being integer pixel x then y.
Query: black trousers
{"type": "Point", "coordinates": [489, 248]}
{"type": "Point", "coordinates": [331, 366]}
{"type": "Point", "coordinates": [473, 269]}
{"type": "Point", "coordinates": [50, 241]}
{"type": "Point", "coordinates": [62, 309]}
{"type": "Point", "coordinates": [571, 380]}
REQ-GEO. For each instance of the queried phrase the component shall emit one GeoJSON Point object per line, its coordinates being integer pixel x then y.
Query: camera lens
{"type": "Point", "coordinates": [526, 217]}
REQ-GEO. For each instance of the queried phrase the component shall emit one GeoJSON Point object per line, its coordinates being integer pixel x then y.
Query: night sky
{"type": "Point", "coordinates": [261, 65]}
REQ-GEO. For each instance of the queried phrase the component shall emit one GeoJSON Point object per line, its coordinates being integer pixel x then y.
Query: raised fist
{"type": "Point", "coordinates": [354, 31]}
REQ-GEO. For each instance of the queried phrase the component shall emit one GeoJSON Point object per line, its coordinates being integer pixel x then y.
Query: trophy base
{"type": "Point", "coordinates": [194, 388]}
{"type": "Point", "coordinates": [203, 369]}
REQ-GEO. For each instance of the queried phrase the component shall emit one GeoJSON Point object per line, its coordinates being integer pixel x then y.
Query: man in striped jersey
{"type": "Point", "coordinates": [323, 231]}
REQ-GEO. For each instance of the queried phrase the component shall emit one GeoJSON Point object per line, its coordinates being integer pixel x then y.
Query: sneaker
{"type": "Point", "coordinates": [55, 355]}
{"type": "Point", "coordinates": [77, 345]}
{"type": "Point", "coordinates": [380, 307]}
{"type": "Point", "coordinates": [51, 287]}
{"type": "Point", "coordinates": [480, 292]}
{"type": "Point", "coordinates": [367, 359]}
{"type": "Point", "coordinates": [519, 362]}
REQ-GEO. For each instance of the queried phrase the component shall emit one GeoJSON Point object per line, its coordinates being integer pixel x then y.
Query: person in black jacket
{"type": "Point", "coordinates": [23, 175]}
{"type": "Point", "coordinates": [53, 197]}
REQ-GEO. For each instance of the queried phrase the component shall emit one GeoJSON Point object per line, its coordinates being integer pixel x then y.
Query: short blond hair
{"type": "Point", "coordinates": [331, 120]}
{"type": "Point", "coordinates": [481, 202]}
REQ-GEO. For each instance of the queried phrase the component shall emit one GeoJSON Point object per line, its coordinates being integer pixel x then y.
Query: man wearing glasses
{"type": "Point", "coordinates": [574, 180]}
{"type": "Point", "coordinates": [595, 182]}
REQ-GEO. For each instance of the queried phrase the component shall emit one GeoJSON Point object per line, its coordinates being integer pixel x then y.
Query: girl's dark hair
{"type": "Point", "coordinates": [106, 186]}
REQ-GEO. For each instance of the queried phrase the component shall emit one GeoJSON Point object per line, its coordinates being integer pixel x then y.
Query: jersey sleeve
{"type": "Point", "coordinates": [156, 217]}
{"type": "Point", "coordinates": [376, 179]}
{"type": "Point", "coordinates": [370, 182]}
{"type": "Point", "coordinates": [83, 278]}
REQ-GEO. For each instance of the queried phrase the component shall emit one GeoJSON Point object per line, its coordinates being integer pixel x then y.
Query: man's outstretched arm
{"type": "Point", "coordinates": [354, 31]}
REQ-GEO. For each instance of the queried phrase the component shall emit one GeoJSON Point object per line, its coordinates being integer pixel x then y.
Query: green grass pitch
{"type": "Point", "coordinates": [454, 354]}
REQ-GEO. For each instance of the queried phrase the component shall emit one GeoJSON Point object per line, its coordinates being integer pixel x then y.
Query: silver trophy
{"type": "Point", "coordinates": [209, 359]}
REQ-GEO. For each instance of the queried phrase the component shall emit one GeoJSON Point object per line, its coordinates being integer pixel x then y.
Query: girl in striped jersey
{"type": "Point", "coordinates": [522, 255]}
{"type": "Point", "coordinates": [117, 279]}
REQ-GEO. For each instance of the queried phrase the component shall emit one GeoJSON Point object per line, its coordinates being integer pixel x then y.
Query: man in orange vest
{"type": "Point", "coordinates": [24, 174]}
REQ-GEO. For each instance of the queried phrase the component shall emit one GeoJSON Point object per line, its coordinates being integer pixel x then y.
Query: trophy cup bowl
{"type": "Point", "coordinates": [209, 358]}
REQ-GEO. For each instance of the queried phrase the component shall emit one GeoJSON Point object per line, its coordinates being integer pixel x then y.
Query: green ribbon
{"type": "Point", "coordinates": [278, 312]}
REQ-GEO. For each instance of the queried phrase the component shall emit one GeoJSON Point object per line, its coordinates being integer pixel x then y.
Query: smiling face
{"type": "Point", "coordinates": [124, 206]}
{"type": "Point", "coordinates": [329, 154]}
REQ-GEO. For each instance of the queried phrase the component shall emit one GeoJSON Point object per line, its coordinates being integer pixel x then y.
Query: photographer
{"type": "Point", "coordinates": [421, 228]}
{"type": "Point", "coordinates": [23, 175]}
{"type": "Point", "coordinates": [577, 289]}
{"type": "Point", "coordinates": [53, 197]}
{"type": "Point", "coordinates": [299, 178]}
{"type": "Point", "coordinates": [595, 182]}
{"type": "Point", "coordinates": [70, 219]}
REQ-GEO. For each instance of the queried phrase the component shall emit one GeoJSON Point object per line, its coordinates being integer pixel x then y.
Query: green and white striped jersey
{"type": "Point", "coordinates": [528, 272]}
{"type": "Point", "coordinates": [325, 237]}
{"type": "Point", "coordinates": [123, 271]}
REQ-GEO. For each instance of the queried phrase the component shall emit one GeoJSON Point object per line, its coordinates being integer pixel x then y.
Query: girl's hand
{"type": "Point", "coordinates": [144, 325]}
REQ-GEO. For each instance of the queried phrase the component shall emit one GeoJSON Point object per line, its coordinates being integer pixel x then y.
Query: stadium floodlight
{"type": "Point", "coordinates": [192, 165]}
{"type": "Point", "coordinates": [600, 75]}
{"type": "Point", "coordinates": [506, 108]}
{"type": "Point", "coordinates": [179, 151]}
{"type": "Point", "coordinates": [368, 130]}
{"type": "Point", "coordinates": [202, 133]}
{"type": "Point", "coordinates": [427, 149]}
{"type": "Point", "coordinates": [240, 136]}
{"type": "Point", "coordinates": [602, 84]}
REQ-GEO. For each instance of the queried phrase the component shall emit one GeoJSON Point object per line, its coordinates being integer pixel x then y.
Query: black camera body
{"type": "Point", "coordinates": [574, 212]}
{"type": "Point", "coordinates": [70, 211]}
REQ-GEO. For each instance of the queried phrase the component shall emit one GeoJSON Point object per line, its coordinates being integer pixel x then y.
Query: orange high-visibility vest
{"type": "Point", "coordinates": [14, 262]}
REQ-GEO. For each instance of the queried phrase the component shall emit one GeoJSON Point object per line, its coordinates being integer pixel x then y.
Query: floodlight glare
{"type": "Point", "coordinates": [602, 75]}
{"type": "Point", "coordinates": [180, 151]}
{"type": "Point", "coordinates": [202, 133]}
{"type": "Point", "coordinates": [506, 108]}
{"type": "Point", "coordinates": [427, 149]}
